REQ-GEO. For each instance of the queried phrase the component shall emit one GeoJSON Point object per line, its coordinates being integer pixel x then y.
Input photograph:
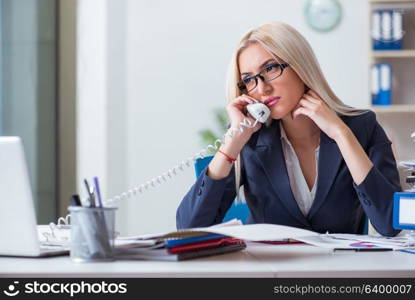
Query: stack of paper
{"type": "Point", "coordinates": [183, 248]}
{"type": "Point", "coordinates": [271, 233]}
{"type": "Point", "coordinates": [409, 164]}
{"type": "Point", "coordinates": [204, 241]}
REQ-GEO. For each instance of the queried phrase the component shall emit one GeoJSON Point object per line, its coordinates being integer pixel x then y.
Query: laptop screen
{"type": "Point", "coordinates": [17, 214]}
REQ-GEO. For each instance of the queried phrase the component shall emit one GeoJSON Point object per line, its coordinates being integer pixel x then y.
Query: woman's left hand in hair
{"type": "Point", "coordinates": [312, 106]}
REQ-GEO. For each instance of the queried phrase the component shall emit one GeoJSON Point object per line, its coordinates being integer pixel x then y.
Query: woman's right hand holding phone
{"type": "Point", "coordinates": [220, 167]}
{"type": "Point", "coordinates": [237, 113]}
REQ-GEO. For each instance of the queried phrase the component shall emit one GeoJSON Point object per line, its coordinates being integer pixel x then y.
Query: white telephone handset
{"type": "Point", "coordinates": [259, 111]}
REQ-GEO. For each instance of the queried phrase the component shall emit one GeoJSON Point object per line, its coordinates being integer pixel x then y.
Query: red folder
{"type": "Point", "coordinates": [215, 243]}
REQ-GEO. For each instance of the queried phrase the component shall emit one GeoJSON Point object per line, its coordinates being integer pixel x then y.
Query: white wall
{"type": "Point", "coordinates": [172, 63]}
{"type": "Point", "coordinates": [177, 55]}
{"type": "Point", "coordinates": [92, 98]}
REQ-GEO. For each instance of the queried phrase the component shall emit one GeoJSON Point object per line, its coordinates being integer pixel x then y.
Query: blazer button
{"type": "Point", "coordinates": [361, 195]}
{"type": "Point", "coordinates": [367, 202]}
{"type": "Point", "coordinates": [199, 192]}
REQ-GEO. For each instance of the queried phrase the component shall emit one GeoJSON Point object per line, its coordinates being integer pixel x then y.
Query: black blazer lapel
{"type": "Point", "coordinates": [329, 162]}
{"type": "Point", "coordinates": [268, 151]}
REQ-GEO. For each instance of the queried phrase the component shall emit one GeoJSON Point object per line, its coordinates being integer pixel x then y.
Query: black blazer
{"type": "Point", "coordinates": [339, 206]}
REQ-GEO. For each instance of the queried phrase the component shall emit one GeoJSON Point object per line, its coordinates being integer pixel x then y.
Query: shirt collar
{"type": "Point", "coordinates": [282, 133]}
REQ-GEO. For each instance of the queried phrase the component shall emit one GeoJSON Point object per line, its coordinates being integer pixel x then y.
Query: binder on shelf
{"type": "Point", "coordinates": [385, 91]}
{"type": "Point", "coordinates": [381, 84]}
{"type": "Point", "coordinates": [375, 84]}
{"type": "Point", "coordinates": [387, 29]}
{"type": "Point", "coordinates": [376, 32]}
{"type": "Point", "coordinates": [397, 30]}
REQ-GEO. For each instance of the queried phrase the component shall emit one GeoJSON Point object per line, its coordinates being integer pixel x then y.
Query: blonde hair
{"type": "Point", "coordinates": [284, 42]}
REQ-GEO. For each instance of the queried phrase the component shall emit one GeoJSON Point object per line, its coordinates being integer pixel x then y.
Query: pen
{"type": "Point", "coordinates": [90, 193]}
{"type": "Point", "coordinates": [75, 200]}
{"type": "Point", "coordinates": [363, 249]}
{"type": "Point", "coordinates": [97, 191]}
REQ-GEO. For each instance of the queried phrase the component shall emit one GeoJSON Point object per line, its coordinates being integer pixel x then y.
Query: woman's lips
{"type": "Point", "coordinates": [271, 101]}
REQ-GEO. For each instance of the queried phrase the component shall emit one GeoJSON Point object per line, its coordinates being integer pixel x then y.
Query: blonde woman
{"type": "Point", "coordinates": [319, 165]}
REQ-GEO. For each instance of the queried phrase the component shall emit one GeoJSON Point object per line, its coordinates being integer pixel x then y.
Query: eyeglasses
{"type": "Point", "coordinates": [268, 73]}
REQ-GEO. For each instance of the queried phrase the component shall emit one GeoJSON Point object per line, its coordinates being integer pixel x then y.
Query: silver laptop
{"type": "Point", "coordinates": [18, 229]}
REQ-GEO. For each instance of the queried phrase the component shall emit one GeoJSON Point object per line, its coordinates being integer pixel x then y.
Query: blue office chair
{"type": "Point", "coordinates": [366, 226]}
{"type": "Point", "coordinates": [238, 210]}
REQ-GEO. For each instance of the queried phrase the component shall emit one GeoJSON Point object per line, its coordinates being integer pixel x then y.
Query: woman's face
{"type": "Point", "coordinates": [286, 90]}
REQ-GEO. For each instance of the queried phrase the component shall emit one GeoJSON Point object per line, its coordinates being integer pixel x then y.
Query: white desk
{"type": "Point", "coordinates": [309, 261]}
{"type": "Point", "coordinates": [257, 260]}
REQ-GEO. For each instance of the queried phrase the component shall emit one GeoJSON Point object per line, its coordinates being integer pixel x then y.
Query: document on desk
{"type": "Point", "coordinates": [53, 237]}
{"type": "Point", "coordinates": [398, 241]}
{"type": "Point", "coordinates": [410, 164]}
{"type": "Point", "coordinates": [249, 232]}
{"type": "Point", "coordinates": [329, 241]}
{"type": "Point", "coordinates": [185, 232]}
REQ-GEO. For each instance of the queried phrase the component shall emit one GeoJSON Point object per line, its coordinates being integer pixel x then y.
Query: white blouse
{"type": "Point", "coordinates": [299, 187]}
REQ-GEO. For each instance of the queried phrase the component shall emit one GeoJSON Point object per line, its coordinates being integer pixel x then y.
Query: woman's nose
{"type": "Point", "coordinates": [263, 88]}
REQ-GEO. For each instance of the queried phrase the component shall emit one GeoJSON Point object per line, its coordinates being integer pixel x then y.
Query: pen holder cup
{"type": "Point", "coordinates": [92, 233]}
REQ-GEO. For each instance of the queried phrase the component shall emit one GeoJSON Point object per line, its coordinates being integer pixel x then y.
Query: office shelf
{"type": "Point", "coordinates": [401, 61]}
{"type": "Point", "coordinates": [390, 1]}
{"type": "Point", "coordinates": [393, 53]}
{"type": "Point", "coordinates": [397, 108]}
{"type": "Point", "coordinates": [398, 118]}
